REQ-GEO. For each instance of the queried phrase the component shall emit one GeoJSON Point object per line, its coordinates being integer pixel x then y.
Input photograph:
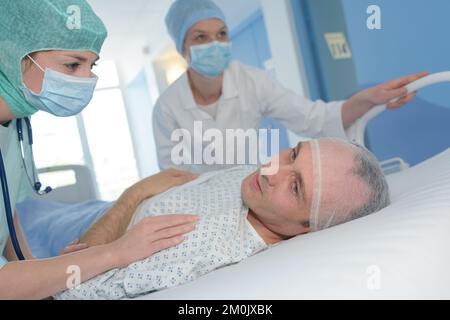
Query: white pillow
{"type": "Point", "coordinates": [402, 252]}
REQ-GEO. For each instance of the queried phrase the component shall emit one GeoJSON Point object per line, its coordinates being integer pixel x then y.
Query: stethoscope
{"type": "Point", "coordinates": [33, 179]}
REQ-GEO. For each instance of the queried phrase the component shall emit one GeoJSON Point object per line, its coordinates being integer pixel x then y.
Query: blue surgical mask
{"type": "Point", "coordinates": [211, 59]}
{"type": "Point", "coordinates": [61, 95]}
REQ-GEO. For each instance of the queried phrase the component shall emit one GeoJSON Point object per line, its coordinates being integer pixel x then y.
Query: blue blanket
{"type": "Point", "coordinates": [49, 227]}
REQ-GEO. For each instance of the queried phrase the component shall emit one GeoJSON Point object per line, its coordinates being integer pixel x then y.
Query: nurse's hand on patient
{"type": "Point", "coordinates": [161, 182]}
{"type": "Point", "coordinates": [150, 236]}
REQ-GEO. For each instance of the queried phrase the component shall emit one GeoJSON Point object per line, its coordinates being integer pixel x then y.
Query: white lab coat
{"type": "Point", "coordinates": [248, 95]}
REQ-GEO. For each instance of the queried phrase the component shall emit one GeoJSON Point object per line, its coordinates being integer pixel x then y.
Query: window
{"type": "Point", "coordinates": [98, 138]}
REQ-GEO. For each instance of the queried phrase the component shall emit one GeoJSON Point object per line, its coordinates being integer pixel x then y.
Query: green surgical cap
{"type": "Point", "coordinates": [28, 26]}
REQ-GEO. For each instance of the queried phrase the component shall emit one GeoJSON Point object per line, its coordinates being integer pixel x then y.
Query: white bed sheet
{"type": "Point", "coordinates": [402, 252]}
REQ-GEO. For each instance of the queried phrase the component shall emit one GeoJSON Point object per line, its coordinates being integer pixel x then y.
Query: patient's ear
{"type": "Point", "coordinates": [299, 229]}
{"type": "Point", "coordinates": [306, 224]}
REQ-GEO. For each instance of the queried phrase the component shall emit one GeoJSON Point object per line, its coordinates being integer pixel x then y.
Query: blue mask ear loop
{"type": "Point", "coordinates": [9, 216]}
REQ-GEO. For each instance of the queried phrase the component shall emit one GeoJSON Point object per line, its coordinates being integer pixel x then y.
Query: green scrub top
{"type": "Point", "coordinates": [19, 187]}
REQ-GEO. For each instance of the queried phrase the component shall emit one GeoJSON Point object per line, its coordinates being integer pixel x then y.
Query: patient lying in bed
{"type": "Point", "coordinates": [319, 184]}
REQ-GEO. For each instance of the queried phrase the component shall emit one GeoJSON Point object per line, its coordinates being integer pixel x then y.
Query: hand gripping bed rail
{"type": "Point", "coordinates": [356, 132]}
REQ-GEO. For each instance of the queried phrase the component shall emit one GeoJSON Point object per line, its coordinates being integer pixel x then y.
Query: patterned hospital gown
{"type": "Point", "coordinates": [223, 236]}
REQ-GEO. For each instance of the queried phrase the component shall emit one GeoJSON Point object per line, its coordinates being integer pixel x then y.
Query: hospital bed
{"type": "Point", "coordinates": [401, 252]}
{"type": "Point", "coordinates": [52, 221]}
{"type": "Point", "coordinates": [82, 189]}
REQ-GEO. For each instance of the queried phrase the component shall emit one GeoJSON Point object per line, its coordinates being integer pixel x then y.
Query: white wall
{"type": "Point", "coordinates": [237, 11]}
{"type": "Point", "coordinates": [285, 49]}
{"type": "Point", "coordinates": [136, 25]}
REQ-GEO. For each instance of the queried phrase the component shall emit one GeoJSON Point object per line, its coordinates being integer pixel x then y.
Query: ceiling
{"type": "Point", "coordinates": [138, 24]}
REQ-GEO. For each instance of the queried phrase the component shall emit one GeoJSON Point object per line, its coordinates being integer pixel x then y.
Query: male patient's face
{"type": "Point", "coordinates": [282, 202]}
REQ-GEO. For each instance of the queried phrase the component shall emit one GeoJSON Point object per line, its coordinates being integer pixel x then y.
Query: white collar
{"type": "Point", "coordinates": [229, 90]}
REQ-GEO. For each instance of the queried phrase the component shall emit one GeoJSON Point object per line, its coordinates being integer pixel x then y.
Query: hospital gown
{"type": "Point", "coordinates": [223, 236]}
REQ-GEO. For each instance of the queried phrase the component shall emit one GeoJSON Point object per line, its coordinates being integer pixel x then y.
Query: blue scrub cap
{"type": "Point", "coordinates": [183, 14]}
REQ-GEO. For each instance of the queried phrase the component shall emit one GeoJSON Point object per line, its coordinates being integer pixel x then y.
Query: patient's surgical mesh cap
{"type": "Point", "coordinates": [28, 26]}
{"type": "Point", "coordinates": [183, 14]}
{"type": "Point", "coordinates": [335, 200]}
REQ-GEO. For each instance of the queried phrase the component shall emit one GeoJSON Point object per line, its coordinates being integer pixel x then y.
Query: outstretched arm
{"type": "Point", "coordinates": [115, 222]}
{"type": "Point", "coordinates": [364, 101]}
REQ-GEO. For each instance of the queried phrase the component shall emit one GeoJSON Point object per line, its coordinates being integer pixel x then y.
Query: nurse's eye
{"type": "Point", "coordinates": [223, 34]}
{"type": "Point", "coordinates": [200, 37]}
{"type": "Point", "coordinates": [72, 66]}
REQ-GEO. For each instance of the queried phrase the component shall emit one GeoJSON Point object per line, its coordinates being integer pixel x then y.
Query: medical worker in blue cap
{"type": "Point", "coordinates": [47, 50]}
{"type": "Point", "coordinates": [224, 94]}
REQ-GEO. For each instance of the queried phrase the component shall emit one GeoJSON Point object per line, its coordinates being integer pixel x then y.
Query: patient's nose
{"type": "Point", "coordinates": [279, 176]}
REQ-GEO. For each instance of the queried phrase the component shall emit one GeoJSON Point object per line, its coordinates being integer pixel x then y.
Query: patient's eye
{"type": "Point", "coordinates": [293, 154]}
{"type": "Point", "coordinates": [295, 189]}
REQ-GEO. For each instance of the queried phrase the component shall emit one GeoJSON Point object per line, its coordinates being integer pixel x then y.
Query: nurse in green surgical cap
{"type": "Point", "coordinates": [47, 50]}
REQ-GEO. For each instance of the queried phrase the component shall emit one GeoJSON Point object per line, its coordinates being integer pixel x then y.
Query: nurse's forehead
{"type": "Point", "coordinates": [82, 56]}
{"type": "Point", "coordinates": [208, 25]}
